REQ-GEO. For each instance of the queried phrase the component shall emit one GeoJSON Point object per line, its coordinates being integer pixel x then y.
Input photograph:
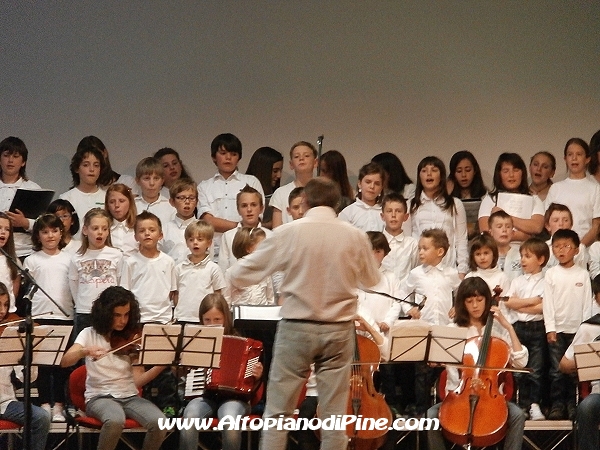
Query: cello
{"type": "Point", "coordinates": [364, 400]}
{"type": "Point", "coordinates": [476, 412]}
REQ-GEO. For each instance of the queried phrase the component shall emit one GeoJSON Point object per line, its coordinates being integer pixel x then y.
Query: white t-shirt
{"type": "Point", "coordinates": [194, 282]}
{"type": "Point", "coordinates": [363, 216]}
{"type": "Point", "coordinates": [91, 273]}
{"type": "Point", "coordinates": [161, 208]}
{"type": "Point", "coordinates": [280, 199]}
{"type": "Point", "coordinates": [111, 375]}
{"type": "Point", "coordinates": [123, 238]}
{"type": "Point", "coordinates": [583, 199]}
{"type": "Point", "coordinates": [5, 277]}
{"type": "Point", "coordinates": [52, 274]}
{"type": "Point", "coordinates": [173, 241]}
{"type": "Point", "coordinates": [83, 202]}
{"type": "Point", "coordinates": [151, 280]}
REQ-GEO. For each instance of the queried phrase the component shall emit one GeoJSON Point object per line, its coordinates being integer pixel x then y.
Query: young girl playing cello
{"type": "Point", "coordinates": [473, 306]}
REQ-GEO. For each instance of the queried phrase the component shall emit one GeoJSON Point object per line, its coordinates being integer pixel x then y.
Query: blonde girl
{"type": "Point", "coordinates": [120, 205]}
{"type": "Point", "coordinates": [95, 266]}
{"type": "Point", "coordinates": [245, 242]}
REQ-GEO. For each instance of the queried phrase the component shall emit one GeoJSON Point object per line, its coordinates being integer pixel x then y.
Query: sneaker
{"type": "Point", "coordinates": [535, 413]}
{"type": "Point", "coordinates": [557, 413]}
{"type": "Point", "coordinates": [57, 414]}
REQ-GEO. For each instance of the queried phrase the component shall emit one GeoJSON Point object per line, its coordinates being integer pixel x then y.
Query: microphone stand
{"type": "Point", "coordinates": [27, 328]}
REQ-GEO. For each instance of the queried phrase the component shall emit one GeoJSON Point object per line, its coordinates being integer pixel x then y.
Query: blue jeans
{"type": "Point", "coordinates": [112, 413]}
{"type": "Point", "coordinates": [533, 336]}
{"type": "Point", "coordinates": [563, 387]}
{"type": "Point", "coordinates": [588, 419]}
{"type": "Point", "coordinates": [203, 408]}
{"type": "Point", "coordinates": [513, 439]}
{"type": "Point", "coordinates": [40, 422]}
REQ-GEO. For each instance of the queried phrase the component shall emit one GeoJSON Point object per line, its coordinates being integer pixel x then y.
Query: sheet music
{"type": "Point", "coordinates": [587, 360]}
{"type": "Point", "coordinates": [517, 205]}
{"type": "Point", "coordinates": [49, 345]}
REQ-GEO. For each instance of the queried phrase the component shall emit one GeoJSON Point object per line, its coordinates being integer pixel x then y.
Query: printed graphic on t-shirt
{"type": "Point", "coordinates": [97, 271]}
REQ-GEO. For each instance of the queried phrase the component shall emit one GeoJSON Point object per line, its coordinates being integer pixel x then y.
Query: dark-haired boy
{"type": "Point", "coordinates": [567, 303]}
{"type": "Point", "coordinates": [217, 195]}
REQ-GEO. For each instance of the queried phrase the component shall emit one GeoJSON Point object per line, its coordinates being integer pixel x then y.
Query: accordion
{"type": "Point", "coordinates": [239, 356]}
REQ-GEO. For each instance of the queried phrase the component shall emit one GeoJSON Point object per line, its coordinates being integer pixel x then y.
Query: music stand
{"type": "Point", "coordinates": [49, 345]}
{"type": "Point", "coordinates": [416, 340]}
{"type": "Point", "coordinates": [587, 360]}
{"type": "Point", "coordinates": [182, 345]}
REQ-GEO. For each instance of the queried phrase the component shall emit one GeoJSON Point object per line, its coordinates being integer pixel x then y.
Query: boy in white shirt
{"type": "Point", "coordinates": [149, 177]}
{"type": "Point", "coordinates": [197, 276]}
{"type": "Point", "coordinates": [150, 273]}
{"type": "Point", "coordinates": [404, 250]}
{"type": "Point", "coordinates": [249, 206]}
{"type": "Point", "coordinates": [525, 300]}
{"type": "Point", "coordinates": [559, 217]}
{"type": "Point", "coordinates": [588, 410]}
{"type": "Point", "coordinates": [435, 283]}
{"type": "Point", "coordinates": [296, 203]}
{"type": "Point", "coordinates": [501, 228]}
{"type": "Point", "coordinates": [567, 303]}
{"type": "Point", "coordinates": [184, 198]}
{"type": "Point", "coordinates": [303, 161]}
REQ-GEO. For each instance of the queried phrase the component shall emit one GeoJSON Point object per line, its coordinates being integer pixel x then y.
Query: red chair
{"type": "Point", "coordinates": [6, 426]}
{"type": "Point", "coordinates": [77, 391]}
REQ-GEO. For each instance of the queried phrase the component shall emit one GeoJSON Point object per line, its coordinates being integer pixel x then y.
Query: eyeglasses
{"type": "Point", "coordinates": [562, 246]}
{"type": "Point", "coordinates": [182, 198]}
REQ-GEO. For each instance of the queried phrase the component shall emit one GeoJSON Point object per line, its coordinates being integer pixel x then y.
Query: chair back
{"type": "Point", "coordinates": [77, 387]}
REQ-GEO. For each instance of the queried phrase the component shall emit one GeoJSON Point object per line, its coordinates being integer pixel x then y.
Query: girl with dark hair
{"type": "Point", "coordinates": [266, 164]}
{"type": "Point", "coordinates": [13, 162]}
{"type": "Point", "coordinates": [108, 175]}
{"type": "Point", "coordinates": [50, 268]}
{"type": "Point", "coordinates": [112, 382]}
{"type": "Point", "coordinates": [594, 165]}
{"type": "Point", "coordinates": [87, 164]}
{"type": "Point", "coordinates": [333, 166]}
{"type": "Point", "coordinates": [473, 308]}
{"type": "Point", "coordinates": [433, 207]}
{"type": "Point", "coordinates": [173, 168]}
{"type": "Point", "coordinates": [397, 180]}
{"type": "Point", "coordinates": [578, 192]}
{"type": "Point", "coordinates": [214, 311]}
{"type": "Point", "coordinates": [510, 176]}
{"type": "Point", "coordinates": [365, 212]}
{"type": "Point", "coordinates": [541, 168]}
{"type": "Point", "coordinates": [464, 177]}
{"type": "Point", "coordinates": [70, 220]}
{"type": "Point", "coordinates": [466, 183]}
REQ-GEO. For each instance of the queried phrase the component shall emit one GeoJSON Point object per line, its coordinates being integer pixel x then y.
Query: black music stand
{"type": "Point", "coordinates": [49, 345]}
{"type": "Point", "coordinates": [416, 340]}
{"type": "Point", "coordinates": [181, 345]}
